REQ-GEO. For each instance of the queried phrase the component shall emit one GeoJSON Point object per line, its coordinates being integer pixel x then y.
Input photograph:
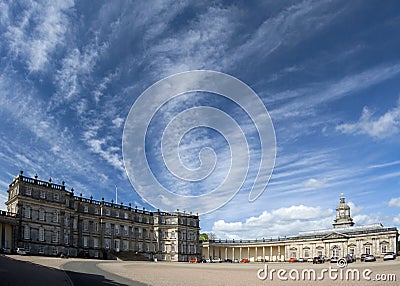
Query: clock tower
{"type": "Point", "coordinates": [343, 218]}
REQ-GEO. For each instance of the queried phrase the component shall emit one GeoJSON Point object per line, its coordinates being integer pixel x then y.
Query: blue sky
{"type": "Point", "coordinates": [327, 71]}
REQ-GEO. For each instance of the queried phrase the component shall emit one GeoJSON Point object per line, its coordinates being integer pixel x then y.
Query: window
{"type": "Point", "coordinates": [27, 232]}
{"type": "Point", "coordinates": [27, 212]}
{"type": "Point", "coordinates": [335, 252]}
{"type": "Point", "coordinates": [384, 248]}
{"type": "Point", "coordinates": [85, 225]}
{"type": "Point", "coordinates": [55, 237]}
{"type": "Point", "coordinates": [55, 250]}
{"type": "Point", "coordinates": [42, 194]}
{"type": "Point", "coordinates": [108, 228]}
{"type": "Point", "coordinates": [28, 191]}
{"type": "Point", "coordinates": [96, 211]}
{"type": "Point", "coordinates": [107, 212]}
{"type": "Point", "coordinates": [351, 250]}
{"type": "Point", "coordinates": [173, 234]}
{"type": "Point", "coordinates": [319, 252]}
{"type": "Point", "coordinates": [41, 234]}
{"type": "Point", "coordinates": [140, 234]}
{"type": "Point", "coordinates": [116, 227]}
{"type": "Point", "coordinates": [125, 245]}
{"type": "Point", "coordinates": [117, 214]}
{"type": "Point", "coordinates": [67, 202]}
{"type": "Point", "coordinates": [95, 242]}
{"type": "Point", "coordinates": [75, 224]}
{"type": "Point", "coordinates": [86, 209]}
{"type": "Point", "coordinates": [66, 238]}
{"type": "Point", "coordinates": [172, 247]}
{"type": "Point", "coordinates": [126, 230]}
{"type": "Point", "coordinates": [116, 245]}
{"type": "Point", "coordinates": [96, 226]}
{"type": "Point", "coordinates": [85, 241]}
{"type": "Point", "coordinates": [107, 243]}
{"type": "Point", "coordinates": [368, 249]}
{"type": "Point", "coordinates": [55, 216]}
{"type": "Point", "coordinates": [41, 249]}
{"type": "Point", "coordinates": [126, 216]}
{"type": "Point", "coordinates": [293, 254]}
{"type": "Point", "coordinates": [56, 197]}
{"type": "Point", "coordinates": [306, 253]}
{"type": "Point", "coordinates": [140, 218]}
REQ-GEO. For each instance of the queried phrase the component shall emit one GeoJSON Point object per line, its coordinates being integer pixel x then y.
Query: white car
{"type": "Point", "coordinates": [22, 251]}
{"type": "Point", "coordinates": [389, 256]}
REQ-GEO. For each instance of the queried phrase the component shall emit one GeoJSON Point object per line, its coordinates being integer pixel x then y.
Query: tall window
{"type": "Point", "coordinates": [27, 232]}
{"type": "Point", "coordinates": [95, 242]}
{"type": "Point", "coordinates": [96, 226]}
{"type": "Point", "coordinates": [85, 241]}
{"type": "Point", "coordinates": [56, 197]}
{"type": "Point", "coordinates": [116, 227]}
{"type": "Point", "coordinates": [126, 216]}
{"type": "Point", "coordinates": [96, 211]}
{"type": "Point", "coordinates": [384, 248]}
{"type": "Point", "coordinates": [75, 224]}
{"type": "Point", "coordinates": [41, 215]}
{"type": "Point", "coordinates": [306, 253]}
{"type": "Point", "coordinates": [126, 230]}
{"type": "Point", "coordinates": [27, 212]}
{"type": "Point", "coordinates": [55, 216]}
{"type": "Point", "coordinates": [125, 245]}
{"type": "Point", "coordinates": [107, 243]}
{"type": "Point", "coordinates": [108, 228]}
{"type": "Point", "coordinates": [85, 224]}
{"type": "Point", "coordinates": [86, 209]}
{"type": "Point", "coordinates": [41, 234]}
{"type": "Point", "coordinates": [117, 214]}
{"type": "Point", "coordinates": [66, 238]}
{"type": "Point", "coordinates": [42, 194]}
{"type": "Point", "coordinates": [55, 237]}
{"type": "Point", "coordinates": [368, 249]}
{"type": "Point", "coordinates": [335, 252]}
{"type": "Point", "coordinates": [28, 191]}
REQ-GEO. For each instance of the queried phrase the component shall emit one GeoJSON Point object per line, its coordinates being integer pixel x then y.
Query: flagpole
{"type": "Point", "coordinates": [116, 194]}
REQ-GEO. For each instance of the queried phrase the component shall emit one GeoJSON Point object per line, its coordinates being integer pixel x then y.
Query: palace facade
{"type": "Point", "coordinates": [343, 239]}
{"type": "Point", "coordinates": [46, 219]}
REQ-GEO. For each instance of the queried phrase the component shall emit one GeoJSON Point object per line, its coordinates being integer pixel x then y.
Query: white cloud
{"type": "Point", "coordinates": [41, 27]}
{"type": "Point", "coordinates": [280, 222]}
{"type": "Point", "coordinates": [394, 202]}
{"type": "Point", "coordinates": [386, 125]}
{"type": "Point", "coordinates": [314, 183]}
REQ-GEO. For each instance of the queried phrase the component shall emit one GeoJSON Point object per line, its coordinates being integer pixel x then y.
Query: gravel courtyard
{"type": "Point", "coordinates": [163, 273]}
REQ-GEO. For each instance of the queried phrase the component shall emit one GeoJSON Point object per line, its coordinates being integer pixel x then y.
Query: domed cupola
{"type": "Point", "coordinates": [343, 218]}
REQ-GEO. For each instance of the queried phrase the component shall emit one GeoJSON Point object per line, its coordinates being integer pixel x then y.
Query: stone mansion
{"type": "Point", "coordinates": [46, 219]}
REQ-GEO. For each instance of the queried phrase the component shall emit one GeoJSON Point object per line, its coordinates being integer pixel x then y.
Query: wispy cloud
{"type": "Point", "coordinates": [37, 31]}
{"type": "Point", "coordinates": [384, 126]}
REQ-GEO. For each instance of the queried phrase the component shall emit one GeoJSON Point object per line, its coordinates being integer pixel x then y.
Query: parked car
{"type": "Point", "coordinates": [194, 260]}
{"type": "Point", "coordinates": [362, 257]}
{"type": "Point", "coordinates": [292, 259]}
{"type": "Point", "coordinates": [5, 250]}
{"type": "Point", "coordinates": [350, 258]}
{"type": "Point", "coordinates": [317, 260]}
{"type": "Point", "coordinates": [300, 259]}
{"type": "Point", "coordinates": [228, 260]}
{"type": "Point", "coordinates": [324, 258]}
{"type": "Point", "coordinates": [389, 256]}
{"type": "Point", "coordinates": [22, 251]}
{"type": "Point", "coordinates": [216, 260]}
{"type": "Point", "coordinates": [310, 259]}
{"type": "Point", "coordinates": [369, 258]}
{"type": "Point", "coordinates": [235, 260]}
{"type": "Point", "coordinates": [334, 259]}
{"type": "Point", "coordinates": [244, 260]}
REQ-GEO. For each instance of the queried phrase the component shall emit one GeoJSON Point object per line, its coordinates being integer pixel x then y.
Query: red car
{"type": "Point", "coordinates": [244, 260]}
{"type": "Point", "coordinates": [194, 260]}
{"type": "Point", "coordinates": [292, 260]}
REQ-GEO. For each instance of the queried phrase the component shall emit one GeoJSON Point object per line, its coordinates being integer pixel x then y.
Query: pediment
{"type": "Point", "coordinates": [335, 235]}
